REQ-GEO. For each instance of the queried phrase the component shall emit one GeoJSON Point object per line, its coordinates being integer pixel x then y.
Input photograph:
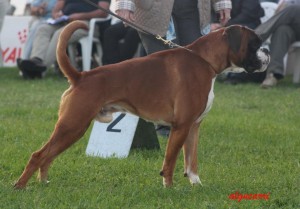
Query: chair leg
{"type": "Point", "coordinates": [72, 54]}
{"type": "Point", "coordinates": [293, 64]}
{"type": "Point", "coordinates": [86, 50]}
{"type": "Point", "coordinates": [296, 67]}
{"type": "Point", "coordinates": [100, 53]}
{"type": "Point", "coordinates": [296, 76]}
{"type": "Point", "coordinates": [86, 59]}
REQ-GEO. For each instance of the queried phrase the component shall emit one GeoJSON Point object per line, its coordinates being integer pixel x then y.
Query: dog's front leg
{"type": "Point", "coordinates": [175, 142]}
{"type": "Point", "coordinates": [190, 155]}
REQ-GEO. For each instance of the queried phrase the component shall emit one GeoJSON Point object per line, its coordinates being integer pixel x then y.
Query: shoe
{"type": "Point", "coordinates": [19, 65]}
{"type": "Point", "coordinates": [32, 68]}
{"type": "Point", "coordinates": [270, 81]}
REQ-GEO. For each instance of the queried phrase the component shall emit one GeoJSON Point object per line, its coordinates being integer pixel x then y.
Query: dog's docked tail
{"type": "Point", "coordinates": [61, 51]}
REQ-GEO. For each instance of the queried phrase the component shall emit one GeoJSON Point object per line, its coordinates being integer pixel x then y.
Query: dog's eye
{"type": "Point", "coordinates": [253, 47]}
{"type": "Point", "coordinates": [254, 43]}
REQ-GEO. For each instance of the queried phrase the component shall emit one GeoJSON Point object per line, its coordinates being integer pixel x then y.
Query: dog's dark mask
{"type": "Point", "coordinates": [244, 44]}
{"type": "Point", "coordinates": [251, 62]}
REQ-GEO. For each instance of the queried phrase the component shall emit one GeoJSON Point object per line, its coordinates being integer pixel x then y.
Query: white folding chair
{"type": "Point", "coordinates": [292, 62]}
{"type": "Point", "coordinates": [86, 44]}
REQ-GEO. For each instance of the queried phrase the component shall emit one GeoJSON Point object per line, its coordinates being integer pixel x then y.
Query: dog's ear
{"type": "Point", "coordinates": [234, 37]}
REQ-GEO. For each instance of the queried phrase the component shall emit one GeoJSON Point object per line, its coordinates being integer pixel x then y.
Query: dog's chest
{"type": "Point", "coordinates": [209, 103]}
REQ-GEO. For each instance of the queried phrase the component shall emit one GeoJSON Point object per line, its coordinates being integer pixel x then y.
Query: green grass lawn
{"type": "Point", "coordinates": [249, 144]}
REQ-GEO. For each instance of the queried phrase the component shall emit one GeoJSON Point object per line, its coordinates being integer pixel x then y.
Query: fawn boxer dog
{"type": "Point", "coordinates": [172, 87]}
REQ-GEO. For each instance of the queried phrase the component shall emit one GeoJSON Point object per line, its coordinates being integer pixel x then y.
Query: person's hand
{"type": "Point", "coordinates": [42, 9]}
{"type": "Point", "coordinates": [57, 14]}
{"type": "Point", "coordinates": [126, 14]}
{"type": "Point", "coordinates": [215, 26]}
{"type": "Point", "coordinates": [75, 16]}
{"type": "Point", "coordinates": [224, 16]}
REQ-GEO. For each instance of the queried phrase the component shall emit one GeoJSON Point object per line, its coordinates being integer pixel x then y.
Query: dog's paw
{"type": "Point", "coordinates": [167, 182]}
{"type": "Point", "coordinates": [19, 186]}
{"type": "Point", "coordinates": [194, 179]}
{"type": "Point", "coordinates": [45, 182]}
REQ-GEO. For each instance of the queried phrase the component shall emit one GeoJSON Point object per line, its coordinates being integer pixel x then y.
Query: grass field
{"type": "Point", "coordinates": [249, 144]}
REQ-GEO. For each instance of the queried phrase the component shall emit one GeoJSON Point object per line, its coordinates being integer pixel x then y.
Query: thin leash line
{"type": "Point", "coordinates": [166, 42]}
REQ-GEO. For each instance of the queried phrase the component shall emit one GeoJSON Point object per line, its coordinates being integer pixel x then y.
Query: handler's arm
{"type": "Point", "coordinates": [223, 7]}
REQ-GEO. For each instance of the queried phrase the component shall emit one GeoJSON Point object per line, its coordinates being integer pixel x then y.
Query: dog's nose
{"type": "Point", "coordinates": [264, 50]}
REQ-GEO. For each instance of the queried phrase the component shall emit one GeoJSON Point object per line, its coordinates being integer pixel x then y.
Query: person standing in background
{"type": "Point", "coordinates": [119, 43]}
{"type": "Point", "coordinates": [191, 18]}
{"type": "Point", "coordinates": [244, 12]}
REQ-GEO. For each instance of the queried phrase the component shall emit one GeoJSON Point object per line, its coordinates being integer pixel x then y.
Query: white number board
{"type": "Point", "coordinates": [113, 139]}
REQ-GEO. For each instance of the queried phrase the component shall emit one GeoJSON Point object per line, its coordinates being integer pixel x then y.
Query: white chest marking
{"type": "Point", "coordinates": [210, 100]}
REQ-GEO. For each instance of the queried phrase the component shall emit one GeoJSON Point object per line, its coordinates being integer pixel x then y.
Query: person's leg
{"type": "Point", "coordinates": [281, 40]}
{"type": "Point", "coordinates": [151, 44]}
{"type": "Point", "coordinates": [44, 49]}
{"type": "Point", "coordinates": [102, 26]}
{"type": "Point", "coordinates": [50, 56]}
{"type": "Point", "coordinates": [129, 46]}
{"type": "Point", "coordinates": [31, 35]}
{"type": "Point", "coordinates": [187, 26]}
{"type": "Point", "coordinates": [186, 21]}
{"type": "Point", "coordinates": [289, 16]}
{"type": "Point", "coordinates": [35, 66]}
{"type": "Point", "coordinates": [42, 40]}
{"type": "Point", "coordinates": [111, 46]}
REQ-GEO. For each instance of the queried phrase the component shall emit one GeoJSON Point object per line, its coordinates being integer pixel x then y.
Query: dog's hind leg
{"type": "Point", "coordinates": [64, 135]}
{"type": "Point", "coordinates": [175, 142]}
{"type": "Point", "coordinates": [43, 171]}
{"type": "Point", "coordinates": [190, 155]}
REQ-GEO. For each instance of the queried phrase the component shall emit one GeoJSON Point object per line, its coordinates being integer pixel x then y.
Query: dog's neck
{"type": "Point", "coordinates": [206, 48]}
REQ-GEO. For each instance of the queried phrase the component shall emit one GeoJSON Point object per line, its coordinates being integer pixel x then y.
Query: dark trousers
{"type": "Point", "coordinates": [187, 27]}
{"type": "Point", "coordinates": [284, 31]}
{"type": "Point", "coordinates": [120, 43]}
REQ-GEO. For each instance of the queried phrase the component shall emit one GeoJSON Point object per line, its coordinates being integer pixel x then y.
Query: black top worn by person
{"type": "Point", "coordinates": [77, 6]}
{"type": "Point", "coordinates": [246, 12]}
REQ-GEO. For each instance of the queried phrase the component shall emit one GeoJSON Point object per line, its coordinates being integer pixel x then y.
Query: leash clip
{"type": "Point", "coordinates": [166, 42]}
{"type": "Point", "coordinates": [170, 43]}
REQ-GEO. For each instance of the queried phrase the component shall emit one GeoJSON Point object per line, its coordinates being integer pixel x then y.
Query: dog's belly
{"type": "Point", "coordinates": [209, 103]}
{"type": "Point", "coordinates": [105, 115]}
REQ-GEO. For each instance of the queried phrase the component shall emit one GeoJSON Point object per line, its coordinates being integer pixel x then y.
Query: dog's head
{"type": "Point", "coordinates": [245, 52]}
